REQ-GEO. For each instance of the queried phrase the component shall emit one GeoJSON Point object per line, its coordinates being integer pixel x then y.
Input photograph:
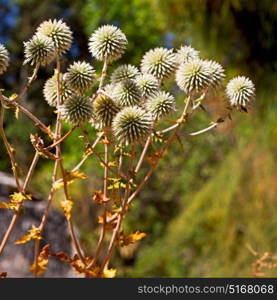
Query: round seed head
{"type": "Point", "coordinates": [159, 62]}
{"type": "Point", "coordinates": [105, 110]}
{"type": "Point", "coordinates": [107, 43]}
{"type": "Point", "coordinates": [127, 93]}
{"type": "Point", "coordinates": [77, 109]}
{"type": "Point", "coordinates": [80, 76]}
{"type": "Point", "coordinates": [124, 72]}
{"type": "Point", "coordinates": [193, 76]}
{"type": "Point", "coordinates": [185, 54]}
{"type": "Point", "coordinates": [50, 90]}
{"type": "Point", "coordinates": [39, 50]}
{"type": "Point", "coordinates": [59, 32]}
{"type": "Point", "coordinates": [148, 84]}
{"type": "Point", "coordinates": [4, 59]}
{"type": "Point", "coordinates": [240, 91]}
{"type": "Point", "coordinates": [161, 104]}
{"type": "Point", "coordinates": [132, 125]}
{"type": "Point", "coordinates": [217, 72]}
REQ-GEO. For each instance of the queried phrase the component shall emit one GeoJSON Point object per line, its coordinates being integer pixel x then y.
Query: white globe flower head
{"type": "Point", "coordinates": [132, 125]}
{"type": "Point", "coordinates": [217, 72]}
{"type": "Point", "coordinates": [193, 76]}
{"type": "Point", "coordinates": [77, 109]}
{"type": "Point", "coordinates": [4, 59]}
{"type": "Point", "coordinates": [124, 72]}
{"type": "Point", "coordinates": [160, 62]}
{"type": "Point", "coordinates": [105, 110]}
{"type": "Point", "coordinates": [39, 50]}
{"type": "Point", "coordinates": [50, 90]}
{"type": "Point", "coordinates": [161, 104]}
{"type": "Point", "coordinates": [107, 43]}
{"type": "Point", "coordinates": [80, 76]}
{"type": "Point", "coordinates": [148, 84]}
{"type": "Point", "coordinates": [185, 54]}
{"type": "Point", "coordinates": [240, 91]}
{"type": "Point", "coordinates": [59, 32]}
{"type": "Point", "coordinates": [127, 93]}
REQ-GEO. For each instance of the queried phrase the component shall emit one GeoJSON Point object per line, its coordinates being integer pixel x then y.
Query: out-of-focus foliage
{"type": "Point", "coordinates": [215, 192]}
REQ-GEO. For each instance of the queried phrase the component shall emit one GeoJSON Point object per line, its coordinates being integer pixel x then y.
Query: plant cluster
{"type": "Point", "coordinates": [126, 110]}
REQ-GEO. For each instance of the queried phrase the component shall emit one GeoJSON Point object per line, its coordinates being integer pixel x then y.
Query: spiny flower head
{"type": "Point", "coordinates": [132, 125]}
{"type": "Point", "coordinates": [193, 76]}
{"type": "Point", "coordinates": [39, 50]}
{"type": "Point", "coordinates": [148, 84]}
{"type": "Point", "coordinates": [59, 32]}
{"type": "Point", "coordinates": [107, 43]}
{"type": "Point", "coordinates": [185, 54]}
{"type": "Point", "coordinates": [77, 109]}
{"type": "Point", "coordinates": [160, 62]}
{"type": "Point", "coordinates": [161, 104]}
{"type": "Point", "coordinates": [80, 76]}
{"type": "Point", "coordinates": [240, 91]}
{"type": "Point", "coordinates": [124, 72]}
{"type": "Point", "coordinates": [127, 93]}
{"type": "Point", "coordinates": [4, 59]}
{"type": "Point", "coordinates": [105, 110]}
{"type": "Point", "coordinates": [217, 72]}
{"type": "Point", "coordinates": [50, 90]}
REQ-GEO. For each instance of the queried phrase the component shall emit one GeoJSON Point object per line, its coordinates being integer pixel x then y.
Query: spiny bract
{"type": "Point", "coordinates": [131, 125]}
{"type": "Point", "coordinates": [148, 84]}
{"type": "Point", "coordinates": [185, 54]}
{"type": "Point", "coordinates": [50, 90]}
{"type": "Point", "coordinates": [4, 59]}
{"type": "Point", "coordinates": [39, 50]}
{"type": "Point", "coordinates": [105, 110]}
{"type": "Point", "coordinates": [80, 76]}
{"type": "Point", "coordinates": [107, 43]}
{"type": "Point", "coordinates": [59, 32]}
{"type": "Point", "coordinates": [77, 109]}
{"type": "Point", "coordinates": [217, 72]}
{"type": "Point", "coordinates": [193, 76]}
{"type": "Point", "coordinates": [160, 62]}
{"type": "Point", "coordinates": [161, 104]}
{"type": "Point", "coordinates": [127, 93]}
{"type": "Point", "coordinates": [240, 91]}
{"type": "Point", "coordinates": [124, 72]}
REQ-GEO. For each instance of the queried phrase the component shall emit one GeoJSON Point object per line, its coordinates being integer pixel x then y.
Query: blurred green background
{"type": "Point", "coordinates": [216, 193]}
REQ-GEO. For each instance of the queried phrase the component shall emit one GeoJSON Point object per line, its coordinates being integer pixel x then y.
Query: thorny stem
{"type": "Point", "coordinates": [9, 149]}
{"type": "Point", "coordinates": [144, 151]}
{"type": "Point", "coordinates": [15, 216]}
{"type": "Point", "coordinates": [108, 257]}
{"type": "Point", "coordinates": [105, 196]}
{"type": "Point", "coordinates": [103, 75]}
{"type": "Point", "coordinates": [29, 82]}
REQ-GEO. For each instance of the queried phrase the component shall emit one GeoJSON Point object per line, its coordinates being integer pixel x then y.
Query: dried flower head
{"type": "Point", "coordinates": [59, 32]}
{"type": "Point", "coordinates": [217, 72]}
{"type": "Point", "coordinates": [160, 62]}
{"type": "Point", "coordinates": [80, 76]}
{"type": "Point", "coordinates": [39, 50]}
{"type": "Point", "coordinates": [77, 109]}
{"type": "Point", "coordinates": [161, 104]}
{"type": "Point", "coordinates": [105, 110]}
{"type": "Point", "coordinates": [240, 91]}
{"type": "Point", "coordinates": [4, 59]}
{"type": "Point", "coordinates": [148, 84]}
{"type": "Point", "coordinates": [107, 43]}
{"type": "Point", "coordinates": [124, 72]}
{"type": "Point", "coordinates": [185, 54]}
{"type": "Point", "coordinates": [131, 125]}
{"type": "Point", "coordinates": [193, 76]}
{"type": "Point", "coordinates": [127, 93]}
{"type": "Point", "coordinates": [50, 90]}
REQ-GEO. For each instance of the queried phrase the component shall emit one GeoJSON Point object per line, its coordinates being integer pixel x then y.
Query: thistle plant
{"type": "Point", "coordinates": [4, 59]}
{"type": "Point", "coordinates": [125, 112]}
